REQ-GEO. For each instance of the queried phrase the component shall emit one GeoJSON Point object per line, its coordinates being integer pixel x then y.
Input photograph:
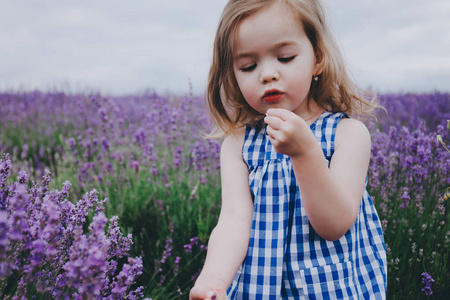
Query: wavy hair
{"type": "Point", "coordinates": [334, 91]}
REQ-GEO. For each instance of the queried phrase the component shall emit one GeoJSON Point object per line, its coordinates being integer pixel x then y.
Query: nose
{"type": "Point", "coordinates": [269, 74]}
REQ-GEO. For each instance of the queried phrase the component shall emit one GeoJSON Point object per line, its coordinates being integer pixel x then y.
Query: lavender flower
{"type": "Point", "coordinates": [192, 242]}
{"type": "Point", "coordinates": [405, 199]}
{"type": "Point", "coordinates": [5, 167]}
{"type": "Point", "coordinates": [427, 280]}
{"type": "Point", "coordinates": [120, 245]}
{"type": "Point", "coordinates": [45, 252]}
{"type": "Point", "coordinates": [126, 278]}
{"type": "Point", "coordinates": [4, 228]}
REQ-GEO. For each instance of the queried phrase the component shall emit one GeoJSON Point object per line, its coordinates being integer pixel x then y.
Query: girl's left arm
{"type": "Point", "coordinates": [331, 195]}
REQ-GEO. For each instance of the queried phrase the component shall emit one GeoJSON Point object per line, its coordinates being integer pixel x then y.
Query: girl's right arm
{"type": "Point", "coordinates": [228, 243]}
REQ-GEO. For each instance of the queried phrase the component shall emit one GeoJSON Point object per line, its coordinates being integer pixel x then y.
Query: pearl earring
{"type": "Point", "coordinates": [316, 78]}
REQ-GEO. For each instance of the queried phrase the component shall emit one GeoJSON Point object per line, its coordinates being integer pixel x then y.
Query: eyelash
{"type": "Point", "coordinates": [249, 68]}
{"type": "Point", "coordinates": [281, 59]}
{"type": "Point", "coordinates": [286, 59]}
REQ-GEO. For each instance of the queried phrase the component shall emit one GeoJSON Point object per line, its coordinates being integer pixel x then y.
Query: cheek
{"type": "Point", "coordinates": [245, 85]}
{"type": "Point", "coordinates": [250, 93]}
{"type": "Point", "coordinates": [300, 80]}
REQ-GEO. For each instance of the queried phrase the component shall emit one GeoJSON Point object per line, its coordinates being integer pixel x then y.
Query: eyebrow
{"type": "Point", "coordinates": [274, 47]}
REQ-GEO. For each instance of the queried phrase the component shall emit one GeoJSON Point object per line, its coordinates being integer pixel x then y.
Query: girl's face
{"type": "Point", "coordinates": [274, 61]}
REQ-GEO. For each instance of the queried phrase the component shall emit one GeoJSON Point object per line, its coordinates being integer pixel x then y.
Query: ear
{"type": "Point", "coordinates": [319, 65]}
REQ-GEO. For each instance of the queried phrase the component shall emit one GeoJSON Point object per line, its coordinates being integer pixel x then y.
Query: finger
{"type": "Point", "coordinates": [281, 113]}
{"type": "Point", "coordinates": [272, 134]}
{"type": "Point", "coordinates": [269, 131]}
{"type": "Point", "coordinates": [274, 122]}
{"type": "Point", "coordinates": [211, 295]}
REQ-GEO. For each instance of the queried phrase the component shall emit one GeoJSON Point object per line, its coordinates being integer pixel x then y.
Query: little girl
{"type": "Point", "coordinates": [296, 221]}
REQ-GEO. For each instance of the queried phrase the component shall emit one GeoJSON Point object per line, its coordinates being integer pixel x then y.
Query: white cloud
{"type": "Point", "coordinates": [396, 45]}
{"type": "Point", "coordinates": [127, 46]}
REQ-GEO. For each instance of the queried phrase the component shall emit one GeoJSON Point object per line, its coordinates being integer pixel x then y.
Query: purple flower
{"type": "Point", "coordinates": [136, 166]}
{"type": "Point", "coordinates": [72, 144]}
{"type": "Point", "coordinates": [120, 245]}
{"type": "Point", "coordinates": [154, 170]}
{"type": "Point", "coordinates": [24, 151]}
{"type": "Point", "coordinates": [4, 228]}
{"type": "Point", "coordinates": [127, 277]}
{"type": "Point", "coordinates": [405, 200]}
{"type": "Point", "coordinates": [139, 136]}
{"type": "Point", "coordinates": [42, 242]}
{"type": "Point", "coordinates": [177, 265]}
{"type": "Point", "coordinates": [192, 242]}
{"type": "Point", "coordinates": [178, 157]}
{"type": "Point", "coordinates": [46, 182]}
{"type": "Point", "coordinates": [5, 167]}
{"type": "Point", "coordinates": [18, 221]}
{"type": "Point", "coordinates": [37, 253]}
{"type": "Point", "coordinates": [23, 178]}
{"type": "Point", "coordinates": [427, 280]}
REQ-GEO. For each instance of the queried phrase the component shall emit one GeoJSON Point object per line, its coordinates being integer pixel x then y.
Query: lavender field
{"type": "Point", "coordinates": [115, 197]}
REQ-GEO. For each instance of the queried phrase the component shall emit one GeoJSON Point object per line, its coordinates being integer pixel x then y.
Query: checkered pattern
{"type": "Point", "coordinates": [286, 258]}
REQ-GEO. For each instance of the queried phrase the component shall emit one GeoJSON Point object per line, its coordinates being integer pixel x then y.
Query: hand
{"type": "Point", "coordinates": [207, 292]}
{"type": "Point", "coordinates": [288, 133]}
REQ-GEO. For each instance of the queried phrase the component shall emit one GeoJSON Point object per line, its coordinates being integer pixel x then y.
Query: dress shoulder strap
{"type": "Point", "coordinates": [255, 144]}
{"type": "Point", "coordinates": [324, 129]}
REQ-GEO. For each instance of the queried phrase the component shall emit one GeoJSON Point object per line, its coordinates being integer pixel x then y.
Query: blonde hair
{"type": "Point", "coordinates": [334, 91]}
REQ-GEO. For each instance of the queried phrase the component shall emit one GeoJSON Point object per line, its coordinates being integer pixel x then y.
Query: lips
{"type": "Point", "coordinates": [272, 95]}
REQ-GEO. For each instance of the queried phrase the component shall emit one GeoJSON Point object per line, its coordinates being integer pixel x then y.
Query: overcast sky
{"type": "Point", "coordinates": [125, 47]}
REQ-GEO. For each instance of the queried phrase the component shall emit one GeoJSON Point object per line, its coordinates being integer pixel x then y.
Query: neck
{"type": "Point", "coordinates": [318, 111]}
{"type": "Point", "coordinates": [312, 110]}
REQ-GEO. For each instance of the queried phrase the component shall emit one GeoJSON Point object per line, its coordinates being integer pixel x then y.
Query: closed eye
{"type": "Point", "coordinates": [286, 59]}
{"type": "Point", "coordinates": [249, 68]}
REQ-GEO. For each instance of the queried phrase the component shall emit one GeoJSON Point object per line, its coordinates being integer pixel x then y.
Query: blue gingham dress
{"type": "Point", "coordinates": [286, 258]}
